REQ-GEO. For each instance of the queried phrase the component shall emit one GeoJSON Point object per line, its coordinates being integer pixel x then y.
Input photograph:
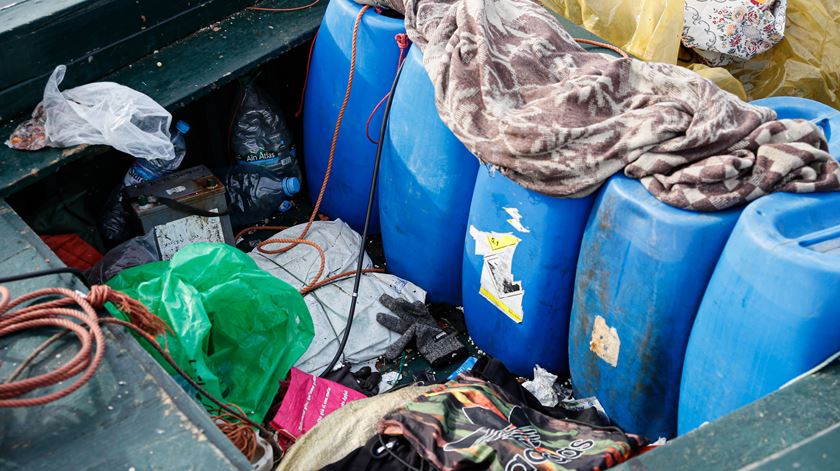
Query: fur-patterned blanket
{"type": "Point", "coordinates": [518, 91]}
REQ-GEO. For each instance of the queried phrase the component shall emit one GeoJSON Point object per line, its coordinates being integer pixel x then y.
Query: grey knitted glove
{"type": "Point", "coordinates": [414, 322]}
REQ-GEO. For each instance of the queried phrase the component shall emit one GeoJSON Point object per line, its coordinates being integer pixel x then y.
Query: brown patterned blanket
{"type": "Point", "coordinates": [518, 91]}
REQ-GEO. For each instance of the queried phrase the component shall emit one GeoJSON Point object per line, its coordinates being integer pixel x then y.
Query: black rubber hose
{"type": "Point", "coordinates": [357, 279]}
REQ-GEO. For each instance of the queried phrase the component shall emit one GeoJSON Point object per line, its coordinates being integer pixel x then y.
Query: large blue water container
{"type": "Point", "coordinates": [772, 307]}
{"type": "Point", "coordinates": [643, 268]}
{"type": "Point", "coordinates": [519, 267]}
{"type": "Point", "coordinates": [377, 54]}
{"type": "Point", "coordinates": [425, 186]}
{"type": "Point", "coordinates": [802, 108]}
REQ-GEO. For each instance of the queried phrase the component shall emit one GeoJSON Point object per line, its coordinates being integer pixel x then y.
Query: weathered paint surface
{"type": "Point", "coordinates": [641, 274]}
{"type": "Point", "coordinates": [191, 68]}
{"type": "Point", "coordinates": [130, 415]}
{"type": "Point", "coordinates": [605, 342]}
{"type": "Point", "coordinates": [797, 427]}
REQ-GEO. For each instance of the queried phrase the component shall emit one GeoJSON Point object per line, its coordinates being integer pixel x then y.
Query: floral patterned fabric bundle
{"type": "Point", "coordinates": [726, 31]}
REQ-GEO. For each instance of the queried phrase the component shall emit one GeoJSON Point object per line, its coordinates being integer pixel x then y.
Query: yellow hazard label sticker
{"type": "Point", "coordinates": [499, 242]}
{"type": "Point", "coordinates": [498, 285]}
{"type": "Point", "coordinates": [516, 316]}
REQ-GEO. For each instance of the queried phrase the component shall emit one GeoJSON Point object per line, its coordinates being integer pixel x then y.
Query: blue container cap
{"type": "Point", "coordinates": [182, 126]}
{"type": "Point", "coordinates": [291, 186]}
{"type": "Point", "coordinates": [284, 206]}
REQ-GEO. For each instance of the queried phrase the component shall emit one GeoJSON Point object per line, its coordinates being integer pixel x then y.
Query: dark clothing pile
{"type": "Point", "coordinates": [486, 420]}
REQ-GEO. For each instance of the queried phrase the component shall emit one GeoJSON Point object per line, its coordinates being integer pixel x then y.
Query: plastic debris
{"type": "Point", "coordinates": [131, 253]}
{"type": "Point", "coordinates": [388, 381]}
{"type": "Point", "coordinates": [308, 400]}
{"type": "Point", "coordinates": [97, 113]}
{"type": "Point", "coordinates": [235, 329]}
{"type": "Point", "coordinates": [542, 387]}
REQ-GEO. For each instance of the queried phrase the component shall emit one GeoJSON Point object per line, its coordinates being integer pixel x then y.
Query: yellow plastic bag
{"type": "Point", "coordinates": [805, 63]}
{"type": "Point", "coordinates": [648, 29]}
{"type": "Point", "coordinates": [722, 78]}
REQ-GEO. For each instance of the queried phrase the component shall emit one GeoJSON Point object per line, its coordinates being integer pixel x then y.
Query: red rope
{"type": "Point", "coordinates": [604, 45]}
{"type": "Point", "coordinates": [299, 111]}
{"type": "Point", "coordinates": [403, 43]}
{"type": "Point", "coordinates": [83, 323]}
{"type": "Point", "coordinates": [73, 312]}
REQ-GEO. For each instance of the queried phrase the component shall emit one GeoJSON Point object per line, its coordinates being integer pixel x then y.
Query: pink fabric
{"type": "Point", "coordinates": [308, 400]}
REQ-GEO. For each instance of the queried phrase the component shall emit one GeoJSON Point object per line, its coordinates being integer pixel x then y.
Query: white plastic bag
{"type": "Point", "coordinates": [330, 304]}
{"type": "Point", "coordinates": [106, 113]}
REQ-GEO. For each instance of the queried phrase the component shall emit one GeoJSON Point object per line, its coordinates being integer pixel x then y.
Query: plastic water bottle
{"type": "Point", "coordinates": [291, 187]}
{"type": "Point", "coordinates": [144, 170]}
{"type": "Point", "coordinates": [114, 225]}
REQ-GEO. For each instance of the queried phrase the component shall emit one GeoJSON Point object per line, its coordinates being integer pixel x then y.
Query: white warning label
{"type": "Point", "coordinates": [497, 282]}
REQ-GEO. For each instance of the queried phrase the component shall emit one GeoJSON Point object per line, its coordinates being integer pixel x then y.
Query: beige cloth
{"type": "Point", "coordinates": [345, 430]}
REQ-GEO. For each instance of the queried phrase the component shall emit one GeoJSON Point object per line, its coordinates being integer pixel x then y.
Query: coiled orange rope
{"type": "Point", "coordinates": [240, 433]}
{"type": "Point", "coordinates": [76, 313]}
{"type": "Point", "coordinates": [83, 323]}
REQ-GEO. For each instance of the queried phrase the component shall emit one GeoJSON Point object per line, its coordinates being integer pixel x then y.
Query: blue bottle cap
{"type": "Point", "coordinates": [291, 186]}
{"type": "Point", "coordinates": [284, 206]}
{"type": "Point", "coordinates": [182, 126]}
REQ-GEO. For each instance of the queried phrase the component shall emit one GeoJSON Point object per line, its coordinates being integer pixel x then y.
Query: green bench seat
{"type": "Point", "coordinates": [189, 69]}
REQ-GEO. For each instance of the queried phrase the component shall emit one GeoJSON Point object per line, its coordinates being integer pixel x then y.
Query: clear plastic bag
{"type": "Point", "coordinates": [100, 113]}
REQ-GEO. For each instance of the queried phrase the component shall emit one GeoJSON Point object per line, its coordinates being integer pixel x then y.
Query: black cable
{"type": "Point", "coordinates": [52, 271]}
{"type": "Point", "coordinates": [358, 277]}
{"type": "Point", "coordinates": [397, 457]}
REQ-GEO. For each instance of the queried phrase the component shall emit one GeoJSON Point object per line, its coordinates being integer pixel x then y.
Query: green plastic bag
{"type": "Point", "coordinates": [237, 329]}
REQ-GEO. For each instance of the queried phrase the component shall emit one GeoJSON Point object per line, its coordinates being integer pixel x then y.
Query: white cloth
{"type": "Point", "coordinates": [330, 304]}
